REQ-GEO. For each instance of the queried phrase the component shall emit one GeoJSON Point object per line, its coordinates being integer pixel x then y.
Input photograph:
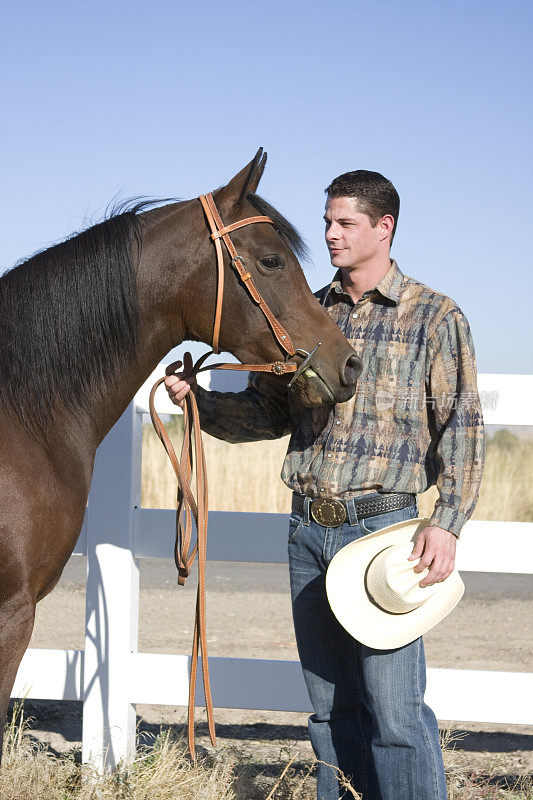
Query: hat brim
{"type": "Point", "coordinates": [360, 616]}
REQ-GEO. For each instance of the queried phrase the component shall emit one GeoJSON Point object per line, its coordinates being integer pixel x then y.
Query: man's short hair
{"type": "Point", "coordinates": [375, 195]}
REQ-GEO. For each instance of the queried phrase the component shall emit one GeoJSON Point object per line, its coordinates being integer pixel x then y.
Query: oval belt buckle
{"type": "Point", "coordinates": [330, 513]}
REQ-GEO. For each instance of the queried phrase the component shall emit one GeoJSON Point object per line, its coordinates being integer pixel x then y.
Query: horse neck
{"type": "Point", "coordinates": [163, 277]}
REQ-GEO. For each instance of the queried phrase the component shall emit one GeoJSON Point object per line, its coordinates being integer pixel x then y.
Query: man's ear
{"type": "Point", "coordinates": [387, 225]}
{"type": "Point", "coordinates": [245, 182]}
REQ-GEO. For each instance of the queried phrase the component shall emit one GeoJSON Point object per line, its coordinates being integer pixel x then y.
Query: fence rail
{"type": "Point", "coordinates": [110, 676]}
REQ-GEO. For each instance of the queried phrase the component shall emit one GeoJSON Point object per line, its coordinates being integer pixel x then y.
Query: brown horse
{"type": "Point", "coordinates": [82, 326]}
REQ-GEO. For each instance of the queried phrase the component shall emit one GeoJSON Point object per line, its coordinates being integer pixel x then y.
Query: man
{"type": "Point", "coordinates": [414, 421]}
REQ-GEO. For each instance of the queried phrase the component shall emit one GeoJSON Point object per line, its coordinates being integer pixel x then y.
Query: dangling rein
{"type": "Point", "coordinates": [190, 508]}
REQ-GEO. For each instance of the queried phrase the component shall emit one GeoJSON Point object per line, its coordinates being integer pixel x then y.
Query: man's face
{"type": "Point", "coordinates": [350, 237]}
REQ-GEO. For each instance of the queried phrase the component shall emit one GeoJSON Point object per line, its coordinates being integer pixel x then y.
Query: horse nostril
{"type": "Point", "coordinates": [352, 370]}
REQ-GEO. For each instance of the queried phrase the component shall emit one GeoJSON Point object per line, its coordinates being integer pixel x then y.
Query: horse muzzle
{"type": "Point", "coordinates": [314, 389]}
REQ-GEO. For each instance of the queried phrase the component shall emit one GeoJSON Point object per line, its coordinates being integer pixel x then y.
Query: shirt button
{"type": "Point", "coordinates": [330, 455]}
{"type": "Point", "coordinates": [338, 422]}
{"type": "Point", "coordinates": [354, 315]}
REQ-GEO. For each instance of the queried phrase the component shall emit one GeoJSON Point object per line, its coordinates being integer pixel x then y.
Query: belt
{"type": "Point", "coordinates": [332, 513]}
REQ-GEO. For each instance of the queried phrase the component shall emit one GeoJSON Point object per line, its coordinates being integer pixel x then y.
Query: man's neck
{"type": "Point", "coordinates": [363, 277]}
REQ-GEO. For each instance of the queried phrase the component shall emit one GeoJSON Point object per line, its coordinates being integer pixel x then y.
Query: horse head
{"type": "Point", "coordinates": [269, 254]}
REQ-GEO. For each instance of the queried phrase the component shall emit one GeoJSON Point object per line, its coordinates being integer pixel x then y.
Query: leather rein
{"type": "Point", "coordinates": [189, 507]}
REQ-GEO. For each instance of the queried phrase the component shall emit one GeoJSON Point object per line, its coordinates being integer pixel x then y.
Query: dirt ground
{"type": "Point", "coordinates": [249, 616]}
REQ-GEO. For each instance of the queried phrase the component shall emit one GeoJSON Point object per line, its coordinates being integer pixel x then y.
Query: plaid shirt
{"type": "Point", "coordinates": [414, 421]}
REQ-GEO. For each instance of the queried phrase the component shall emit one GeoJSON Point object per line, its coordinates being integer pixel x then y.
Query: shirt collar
{"type": "Point", "coordinates": [390, 286]}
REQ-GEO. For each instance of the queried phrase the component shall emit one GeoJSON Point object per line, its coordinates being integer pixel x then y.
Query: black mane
{"type": "Point", "coordinates": [68, 316]}
{"type": "Point", "coordinates": [286, 230]}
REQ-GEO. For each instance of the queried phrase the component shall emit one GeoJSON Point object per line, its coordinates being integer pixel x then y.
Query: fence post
{"type": "Point", "coordinates": [112, 599]}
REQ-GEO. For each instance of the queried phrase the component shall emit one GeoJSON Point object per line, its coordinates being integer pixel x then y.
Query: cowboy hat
{"type": "Point", "coordinates": [375, 594]}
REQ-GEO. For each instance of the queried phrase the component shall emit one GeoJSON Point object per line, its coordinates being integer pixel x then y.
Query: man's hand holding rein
{"type": "Point", "coordinates": [178, 386]}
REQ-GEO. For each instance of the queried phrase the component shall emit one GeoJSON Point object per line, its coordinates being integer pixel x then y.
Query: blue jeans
{"type": "Point", "coordinates": [370, 719]}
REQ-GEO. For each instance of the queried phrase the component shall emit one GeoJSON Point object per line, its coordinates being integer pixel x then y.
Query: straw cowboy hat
{"type": "Point", "coordinates": [375, 594]}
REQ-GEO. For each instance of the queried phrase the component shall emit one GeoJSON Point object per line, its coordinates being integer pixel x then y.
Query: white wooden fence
{"type": "Point", "coordinates": [111, 676]}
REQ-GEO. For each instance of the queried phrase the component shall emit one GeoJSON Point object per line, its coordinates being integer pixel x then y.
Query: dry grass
{"type": "Point", "coordinates": [242, 477]}
{"type": "Point", "coordinates": [506, 489]}
{"type": "Point", "coordinates": [163, 771]}
{"type": "Point", "coordinates": [245, 477]}
{"type": "Point", "coordinates": [465, 784]}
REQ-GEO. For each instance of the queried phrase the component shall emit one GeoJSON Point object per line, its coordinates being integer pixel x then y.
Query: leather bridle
{"type": "Point", "coordinates": [219, 232]}
{"type": "Point", "coordinates": [190, 508]}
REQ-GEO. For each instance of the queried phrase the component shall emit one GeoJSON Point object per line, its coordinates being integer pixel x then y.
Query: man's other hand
{"type": "Point", "coordinates": [178, 385]}
{"type": "Point", "coordinates": [436, 549]}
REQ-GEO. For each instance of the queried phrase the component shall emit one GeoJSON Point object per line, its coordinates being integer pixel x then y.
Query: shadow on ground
{"type": "Point", "coordinates": [65, 718]}
{"type": "Point", "coordinates": [260, 747]}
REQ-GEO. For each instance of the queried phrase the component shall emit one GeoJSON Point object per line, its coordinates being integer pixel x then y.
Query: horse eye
{"type": "Point", "coordinates": [271, 262]}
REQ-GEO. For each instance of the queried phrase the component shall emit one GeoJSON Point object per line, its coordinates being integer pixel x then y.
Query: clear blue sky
{"type": "Point", "coordinates": [111, 99]}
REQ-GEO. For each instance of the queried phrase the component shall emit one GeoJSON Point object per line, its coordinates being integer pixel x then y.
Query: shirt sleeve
{"type": "Point", "coordinates": [259, 412]}
{"type": "Point", "coordinates": [456, 421]}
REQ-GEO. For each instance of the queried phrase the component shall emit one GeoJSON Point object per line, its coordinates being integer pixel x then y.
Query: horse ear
{"type": "Point", "coordinates": [245, 182]}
